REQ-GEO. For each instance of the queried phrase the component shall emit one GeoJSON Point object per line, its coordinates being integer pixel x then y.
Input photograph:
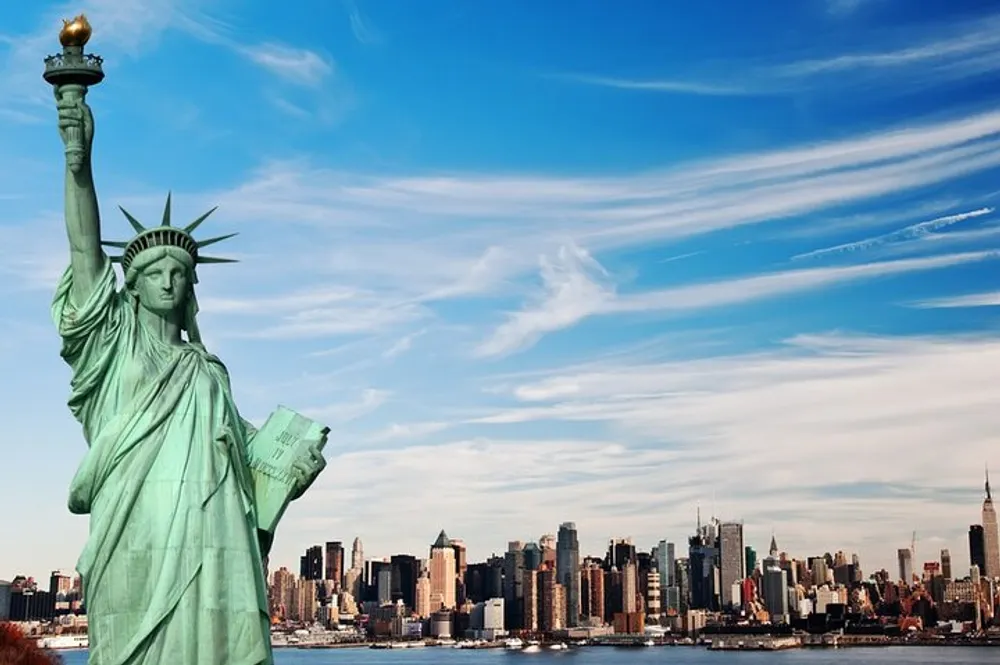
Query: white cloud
{"type": "Point", "coordinates": [913, 57]}
{"type": "Point", "coordinates": [911, 232]}
{"type": "Point", "coordinates": [967, 44]}
{"type": "Point", "coordinates": [364, 31]}
{"type": "Point", "coordinates": [370, 400]}
{"type": "Point", "coordinates": [301, 66]}
{"type": "Point", "coordinates": [570, 295]}
{"type": "Point", "coordinates": [406, 431]}
{"type": "Point", "coordinates": [661, 85]}
{"type": "Point", "coordinates": [124, 30]}
{"type": "Point", "coordinates": [989, 299]}
{"type": "Point", "coordinates": [850, 429]}
{"type": "Point", "coordinates": [422, 238]}
{"type": "Point", "coordinates": [402, 345]}
{"type": "Point", "coordinates": [822, 411]}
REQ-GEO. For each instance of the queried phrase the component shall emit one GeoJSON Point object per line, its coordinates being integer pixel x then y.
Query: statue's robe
{"type": "Point", "coordinates": [172, 570]}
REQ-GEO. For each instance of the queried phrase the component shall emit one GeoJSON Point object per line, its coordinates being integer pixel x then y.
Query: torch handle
{"type": "Point", "coordinates": [75, 150]}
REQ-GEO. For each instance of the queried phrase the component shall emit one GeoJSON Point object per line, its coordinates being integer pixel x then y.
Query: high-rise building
{"type": "Point", "coordinates": [751, 561]}
{"type": "Point", "coordinates": [532, 599]}
{"type": "Point", "coordinates": [461, 566]}
{"type": "Point", "coordinates": [357, 555]}
{"type": "Point", "coordinates": [775, 586]}
{"type": "Point", "coordinates": [547, 543]}
{"type": "Point", "coordinates": [592, 590]}
{"type": "Point", "coordinates": [568, 570]}
{"type": "Point", "coordinates": [422, 596]}
{"type": "Point", "coordinates": [703, 569]}
{"type": "Point", "coordinates": [620, 552]}
{"type": "Point", "coordinates": [682, 575]}
{"type": "Point", "coordinates": [553, 609]}
{"type": "Point", "coordinates": [653, 607]}
{"type": "Point", "coordinates": [513, 584]}
{"type": "Point", "coordinates": [311, 564]}
{"type": "Point", "coordinates": [532, 556]}
{"type": "Point", "coordinates": [405, 571]}
{"type": "Point", "coordinates": [335, 564]}
{"type": "Point", "coordinates": [991, 536]}
{"type": "Point", "coordinates": [905, 556]}
{"type": "Point", "coordinates": [732, 556]}
{"type": "Point", "coordinates": [977, 546]}
{"type": "Point", "coordinates": [443, 573]}
{"type": "Point", "coordinates": [630, 588]}
{"type": "Point", "coordinates": [665, 563]}
{"type": "Point", "coordinates": [946, 564]}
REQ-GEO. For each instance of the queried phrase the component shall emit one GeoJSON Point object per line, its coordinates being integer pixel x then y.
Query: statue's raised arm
{"type": "Point", "coordinates": [83, 220]}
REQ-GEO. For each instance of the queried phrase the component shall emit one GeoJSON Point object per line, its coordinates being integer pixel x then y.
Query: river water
{"type": "Point", "coordinates": [614, 656]}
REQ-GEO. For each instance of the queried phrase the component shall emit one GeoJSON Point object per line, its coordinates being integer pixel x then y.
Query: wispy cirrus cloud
{"type": "Point", "coordinates": [571, 294]}
{"type": "Point", "coordinates": [669, 430]}
{"type": "Point", "coordinates": [911, 232]}
{"type": "Point", "coordinates": [128, 30]}
{"type": "Point", "coordinates": [989, 299]}
{"type": "Point", "coordinates": [362, 28]}
{"type": "Point", "coordinates": [508, 220]}
{"type": "Point", "coordinates": [660, 85]}
{"type": "Point", "coordinates": [295, 65]}
{"type": "Point", "coordinates": [946, 53]}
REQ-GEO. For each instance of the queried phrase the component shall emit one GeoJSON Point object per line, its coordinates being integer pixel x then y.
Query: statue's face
{"type": "Point", "coordinates": [163, 286]}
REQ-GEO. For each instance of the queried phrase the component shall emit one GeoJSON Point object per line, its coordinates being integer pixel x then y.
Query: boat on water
{"type": "Point", "coordinates": [64, 642]}
{"type": "Point", "coordinates": [513, 643]}
{"type": "Point", "coordinates": [558, 646]}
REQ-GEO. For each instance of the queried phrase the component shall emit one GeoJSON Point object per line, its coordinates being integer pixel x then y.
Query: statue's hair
{"type": "Point", "coordinates": [148, 257]}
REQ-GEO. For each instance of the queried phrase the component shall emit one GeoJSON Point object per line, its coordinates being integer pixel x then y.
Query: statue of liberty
{"type": "Point", "coordinates": [173, 567]}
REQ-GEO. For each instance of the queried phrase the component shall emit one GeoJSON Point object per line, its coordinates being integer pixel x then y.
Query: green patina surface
{"type": "Point", "coordinates": [173, 570]}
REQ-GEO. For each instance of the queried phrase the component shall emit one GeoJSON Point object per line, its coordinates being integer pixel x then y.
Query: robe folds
{"type": "Point", "coordinates": [172, 570]}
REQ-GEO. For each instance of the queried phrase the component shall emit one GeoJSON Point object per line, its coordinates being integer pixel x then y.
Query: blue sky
{"type": "Point", "coordinates": [537, 262]}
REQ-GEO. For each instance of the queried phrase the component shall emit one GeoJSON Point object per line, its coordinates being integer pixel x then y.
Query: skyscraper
{"type": "Point", "coordinates": [977, 546]}
{"type": "Point", "coordinates": [443, 573]}
{"type": "Point", "coordinates": [775, 586]}
{"type": "Point", "coordinates": [905, 557]}
{"type": "Point", "coordinates": [946, 564]}
{"type": "Point", "coordinates": [568, 570]}
{"type": "Point", "coordinates": [335, 564]}
{"type": "Point", "coordinates": [732, 557]}
{"type": "Point", "coordinates": [405, 572]}
{"type": "Point", "coordinates": [665, 563]}
{"type": "Point", "coordinates": [513, 585]}
{"type": "Point", "coordinates": [312, 564]}
{"type": "Point", "coordinates": [703, 568]}
{"type": "Point", "coordinates": [357, 555]}
{"type": "Point", "coordinates": [991, 537]}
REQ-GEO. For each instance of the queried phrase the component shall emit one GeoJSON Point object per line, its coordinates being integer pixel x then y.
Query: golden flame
{"type": "Point", "coordinates": [75, 32]}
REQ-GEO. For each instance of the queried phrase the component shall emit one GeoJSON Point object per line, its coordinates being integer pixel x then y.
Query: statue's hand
{"type": "Point", "coordinates": [308, 468]}
{"type": "Point", "coordinates": [74, 115]}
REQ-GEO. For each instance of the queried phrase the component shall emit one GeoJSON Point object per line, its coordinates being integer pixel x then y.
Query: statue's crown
{"type": "Point", "coordinates": [165, 235]}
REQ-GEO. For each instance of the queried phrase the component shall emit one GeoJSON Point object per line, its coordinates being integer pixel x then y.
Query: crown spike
{"type": "Point", "coordinates": [213, 259]}
{"type": "Point", "coordinates": [139, 228]}
{"type": "Point", "coordinates": [212, 241]}
{"type": "Point", "coordinates": [196, 223]}
{"type": "Point", "coordinates": [166, 211]}
{"type": "Point", "coordinates": [120, 244]}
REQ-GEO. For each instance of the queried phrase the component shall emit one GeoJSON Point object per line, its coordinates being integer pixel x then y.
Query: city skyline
{"type": "Point", "coordinates": [643, 261]}
{"type": "Point", "coordinates": [324, 548]}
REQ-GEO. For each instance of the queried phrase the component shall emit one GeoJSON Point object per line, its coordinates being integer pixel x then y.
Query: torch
{"type": "Point", "coordinates": [73, 72]}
